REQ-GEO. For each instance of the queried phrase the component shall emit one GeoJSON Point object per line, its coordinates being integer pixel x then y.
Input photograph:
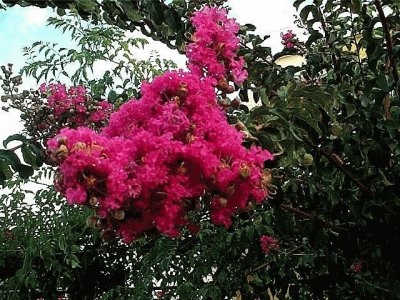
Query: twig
{"type": "Point", "coordinates": [389, 43]}
{"type": "Point", "coordinates": [267, 263]}
{"type": "Point", "coordinates": [392, 62]}
{"type": "Point", "coordinates": [335, 159]}
{"type": "Point", "coordinates": [259, 267]}
{"type": "Point", "coordinates": [311, 217]}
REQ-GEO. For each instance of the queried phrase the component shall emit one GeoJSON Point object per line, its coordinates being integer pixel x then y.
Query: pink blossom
{"type": "Point", "coordinates": [357, 267]}
{"type": "Point", "coordinates": [74, 106]}
{"type": "Point", "coordinates": [268, 244]}
{"type": "Point", "coordinates": [289, 39]}
{"type": "Point", "coordinates": [162, 156]}
{"type": "Point", "coordinates": [214, 46]}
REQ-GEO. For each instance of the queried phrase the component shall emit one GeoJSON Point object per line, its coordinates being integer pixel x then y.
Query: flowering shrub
{"type": "Point", "coordinates": [268, 244]}
{"type": "Point", "coordinates": [170, 153]}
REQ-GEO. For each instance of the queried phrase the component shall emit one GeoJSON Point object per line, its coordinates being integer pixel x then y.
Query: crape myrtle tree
{"type": "Point", "coordinates": [323, 221]}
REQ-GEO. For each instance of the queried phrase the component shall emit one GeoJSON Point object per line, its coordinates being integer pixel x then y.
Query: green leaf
{"type": "Point", "coordinates": [24, 171]}
{"type": "Point", "coordinates": [87, 5]}
{"type": "Point", "coordinates": [314, 36]}
{"type": "Point", "coordinates": [297, 3]}
{"type": "Point", "coordinates": [60, 12]}
{"type": "Point", "coordinates": [132, 13]}
{"type": "Point", "coordinates": [5, 169]}
{"type": "Point", "coordinates": [28, 155]}
{"type": "Point", "coordinates": [10, 158]}
{"type": "Point", "coordinates": [382, 83]}
{"type": "Point", "coordinates": [173, 19]}
{"type": "Point", "coordinates": [156, 11]}
{"type": "Point", "coordinates": [112, 96]}
{"type": "Point", "coordinates": [14, 137]}
{"type": "Point", "coordinates": [185, 290]}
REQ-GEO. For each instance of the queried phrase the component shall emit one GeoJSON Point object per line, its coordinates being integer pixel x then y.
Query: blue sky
{"type": "Point", "coordinates": [22, 26]}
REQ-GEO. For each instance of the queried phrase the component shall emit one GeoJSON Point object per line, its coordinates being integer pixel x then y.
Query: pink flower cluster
{"type": "Point", "coordinates": [168, 154]}
{"type": "Point", "coordinates": [74, 107]}
{"type": "Point", "coordinates": [214, 46]}
{"type": "Point", "coordinates": [289, 39]}
{"type": "Point", "coordinates": [357, 267]}
{"type": "Point", "coordinates": [159, 158]}
{"type": "Point", "coordinates": [268, 243]}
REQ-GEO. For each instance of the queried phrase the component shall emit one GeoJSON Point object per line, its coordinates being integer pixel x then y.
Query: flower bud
{"type": "Point", "coordinates": [177, 100]}
{"type": "Point", "coordinates": [222, 84]}
{"type": "Point", "coordinates": [62, 152]}
{"type": "Point", "coordinates": [249, 206]}
{"type": "Point", "coordinates": [101, 223]}
{"type": "Point", "coordinates": [223, 102]}
{"type": "Point", "coordinates": [308, 159]}
{"type": "Point", "coordinates": [244, 171]}
{"type": "Point", "coordinates": [107, 235]}
{"type": "Point", "coordinates": [229, 89]}
{"type": "Point", "coordinates": [62, 140]}
{"type": "Point", "coordinates": [223, 202]}
{"type": "Point", "coordinates": [240, 126]}
{"type": "Point", "coordinates": [219, 48]}
{"type": "Point", "coordinates": [190, 138]}
{"type": "Point", "coordinates": [266, 178]}
{"type": "Point", "coordinates": [93, 201]}
{"type": "Point", "coordinates": [118, 215]}
{"type": "Point", "coordinates": [182, 90]}
{"type": "Point", "coordinates": [91, 221]}
{"type": "Point", "coordinates": [235, 103]}
{"type": "Point", "coordinates": [246, 134]}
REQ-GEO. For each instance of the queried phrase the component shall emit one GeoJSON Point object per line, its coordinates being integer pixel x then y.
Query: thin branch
{"type": "Point", "coordinates": [388, 39]}
{"type": "Point", "coordinates": [310, 217]}
{"type": "Point", "coordinates": [259, 267]}
{"type": "Point", "coordinates": [335, 159]}
{"type": "Point", "coordinates": [338, 163]}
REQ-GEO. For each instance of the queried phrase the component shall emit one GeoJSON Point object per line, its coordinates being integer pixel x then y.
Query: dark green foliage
{"type": "Point", "coordinates": [334, 127]}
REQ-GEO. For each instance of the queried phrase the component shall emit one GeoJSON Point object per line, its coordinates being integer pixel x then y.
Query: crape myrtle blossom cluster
{"type": "Point", "coordinates": [74, 107]}
{"type": "Point", "coordinates": [213, 48]}
{"type": "Point", "coordinates": [289, 39]}
{"type": "Point", "coordinates": [268, 244]}
{"type": "Point", "coordinates": [163, 156]}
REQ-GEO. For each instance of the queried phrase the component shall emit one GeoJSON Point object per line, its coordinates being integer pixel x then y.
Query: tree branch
{"type": "Point", "coordinates": [310, 217]}
{"type": "Point", "coordinates": [389, 43]}
{"type": "Point", "coordinates": [335, 159]}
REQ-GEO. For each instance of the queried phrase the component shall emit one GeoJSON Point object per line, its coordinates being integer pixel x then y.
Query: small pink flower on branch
{"type": "Point", "coordinates": [268, 244]}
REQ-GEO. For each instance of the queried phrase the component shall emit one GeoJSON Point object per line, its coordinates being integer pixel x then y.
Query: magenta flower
{"type": "Point", "coordinates": [268, 244]}
{"type": "Point", "coordinates": [167, 154]}
{"type": "Point", "coordinates": [214, 45]}
{"type": "Point", "coordinates": [74, 107]}
{"type": "Point", "coordinates": [289, 39]}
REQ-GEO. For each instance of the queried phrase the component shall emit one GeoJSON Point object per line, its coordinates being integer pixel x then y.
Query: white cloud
{"type": "Point", "coordinates": [34, 16]}
{"type": "Point", "coordinates": [270, 18]}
